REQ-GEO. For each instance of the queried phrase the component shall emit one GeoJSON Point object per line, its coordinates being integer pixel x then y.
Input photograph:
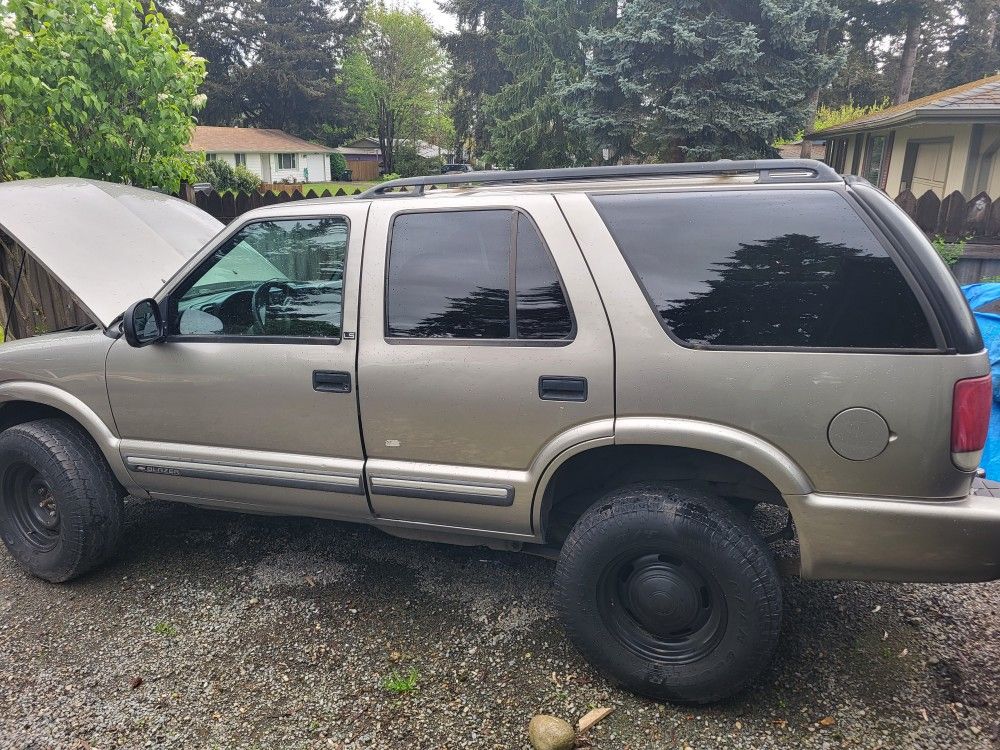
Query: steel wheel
{"type": "Point", "coordinates": [662, 608]}
{"type": "Point", "coordinates": [31, 505]}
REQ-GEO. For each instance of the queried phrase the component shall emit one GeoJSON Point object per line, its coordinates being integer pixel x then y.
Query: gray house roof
{"type": "Point", "coordinates": [976, 101]}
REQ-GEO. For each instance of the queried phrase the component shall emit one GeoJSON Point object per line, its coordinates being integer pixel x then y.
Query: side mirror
{"type": "Point", "coordinates": [142, 324]}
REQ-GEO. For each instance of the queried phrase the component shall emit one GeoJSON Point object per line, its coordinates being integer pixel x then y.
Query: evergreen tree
{"type": "Point", "coordinates": [681, 79]}
{"type": "Point", "coordinates": [476, 71]}
{"type": "Point", "coordinates": [273, 63]}
{"type": "Point", "coordinates": [290, 81]}
{"type": "Point", "coordinates": [211, 28]}
{"type": "Point", "coordinates": [542, 51]}
{"type": "Point", "coordinates": [975, 49]}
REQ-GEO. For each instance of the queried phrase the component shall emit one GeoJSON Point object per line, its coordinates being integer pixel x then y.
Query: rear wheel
{"type": "Point", "coordinates": [60, 505]}
{"type": "Point", "coordinates": [670, 593]}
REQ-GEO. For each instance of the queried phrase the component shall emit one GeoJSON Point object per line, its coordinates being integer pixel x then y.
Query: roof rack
{"type": "Point", "coordinates": [768, 170]}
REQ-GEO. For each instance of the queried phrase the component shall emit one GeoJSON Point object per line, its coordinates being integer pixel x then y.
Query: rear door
{"type": "Point", "coordinates": [484, 351]}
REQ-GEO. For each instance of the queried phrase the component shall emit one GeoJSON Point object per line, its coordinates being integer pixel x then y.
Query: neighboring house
{"type": "Point", "coordinates": [272, 155]}
{"type": "Point", "coordinates": [363, 157]}
{"type": "Point", "coordinates": [944, 142]}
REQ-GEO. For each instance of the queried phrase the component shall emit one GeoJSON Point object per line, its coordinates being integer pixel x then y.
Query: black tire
{"type": "Point", "coordinates": [60, 505]}
{"type": "Point", "coordinates": [670, 593]}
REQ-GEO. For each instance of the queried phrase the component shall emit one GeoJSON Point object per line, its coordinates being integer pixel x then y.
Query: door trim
{"type": "Point", "coordinates": [247, 474]}
{"type": "Point", "coordinates": [461, 492]}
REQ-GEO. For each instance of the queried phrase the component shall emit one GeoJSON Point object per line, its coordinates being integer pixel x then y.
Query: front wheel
{"type": "Point", "coordinates": [60, 505]}
{"type": "Point", "coordinates": [670, 593]}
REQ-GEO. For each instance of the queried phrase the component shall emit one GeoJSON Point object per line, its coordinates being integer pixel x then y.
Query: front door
{"type": "Point", "coordinates": [250, 402]}
{"type": "Point", "coordinates": [485, 351]}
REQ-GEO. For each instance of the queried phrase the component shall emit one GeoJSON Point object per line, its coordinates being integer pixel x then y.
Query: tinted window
{"type": "Point", "coordinates": [273, 278]}
{"type": "Point", "coordinates": [542, 312]}
{"type": "Point", "coordinates": [765, 268]}
{"type": "Point", "coordinates": [449, 275]}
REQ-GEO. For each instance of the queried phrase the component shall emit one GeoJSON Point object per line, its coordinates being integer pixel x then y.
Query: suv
{"type": "Point", "coordinates": [615, 367]}
{"type": "Point", "coordinates": [456, 168]}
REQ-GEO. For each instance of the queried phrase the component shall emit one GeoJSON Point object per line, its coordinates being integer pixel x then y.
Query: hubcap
{"type": "Point", "coordinates": [28, 501]}
{"type": "Point", "coordinates": [663, 608]}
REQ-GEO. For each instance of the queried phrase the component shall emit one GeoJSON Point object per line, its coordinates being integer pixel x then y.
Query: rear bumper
{"type": "Point", "coordinates": [880, 539]}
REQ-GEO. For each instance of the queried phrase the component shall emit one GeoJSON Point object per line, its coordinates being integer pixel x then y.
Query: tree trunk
{"type": "Point", "coordinates": [908, 61]}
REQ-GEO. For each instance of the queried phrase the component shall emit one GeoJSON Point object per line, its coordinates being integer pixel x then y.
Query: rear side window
{"type": "Point", "coordinates": [482, 274]}
{"type": "Point", "coordinates": [765, 269]}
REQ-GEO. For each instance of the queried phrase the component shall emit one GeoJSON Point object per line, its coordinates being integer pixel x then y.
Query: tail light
{"type": "Point", "coordinates": [970, 420]}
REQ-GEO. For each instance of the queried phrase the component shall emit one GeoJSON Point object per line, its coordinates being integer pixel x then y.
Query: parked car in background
{"type": "Point", "coordinates": [614, 367]}
{"type": "Point", "coordinates": [456, 168]}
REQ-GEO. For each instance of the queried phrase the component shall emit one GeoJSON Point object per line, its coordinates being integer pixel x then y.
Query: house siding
{"type": "Point", "coordinates": [318, 165]}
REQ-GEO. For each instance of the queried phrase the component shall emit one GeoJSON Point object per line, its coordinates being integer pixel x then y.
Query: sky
{"type": "Point", "coordinates": [440, 20]}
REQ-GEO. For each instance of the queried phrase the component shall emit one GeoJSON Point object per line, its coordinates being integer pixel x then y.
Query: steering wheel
{"type": "Point", "coordinates": [262, 298]}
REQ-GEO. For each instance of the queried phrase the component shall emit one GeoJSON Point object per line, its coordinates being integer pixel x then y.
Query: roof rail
{"type": "Point", "coordinates": [768, 170]}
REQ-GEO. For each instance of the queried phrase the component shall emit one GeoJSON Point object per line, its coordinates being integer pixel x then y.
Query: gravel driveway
{"type": "Point", "coordinates": [214, 630]}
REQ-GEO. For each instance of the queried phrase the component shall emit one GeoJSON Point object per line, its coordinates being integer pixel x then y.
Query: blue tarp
{"type": "Point", "coordinates": [989, 323]}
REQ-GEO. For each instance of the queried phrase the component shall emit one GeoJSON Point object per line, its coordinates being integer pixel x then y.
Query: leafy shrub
{"type": "Point", "coordinates": [950, 252]}
{"type": "Point", "coordinates": [245, 181]}
{"type": "Point", "coordinates": [217, 173]}
{"type": "Point", "coordinates": [222, 176]}
{"type": "Point", "coordinates": [338, 166]}
{"type": "Point", "coordinates": [390, 176]}
{"type": "Point", "coordinates": [411, 164]}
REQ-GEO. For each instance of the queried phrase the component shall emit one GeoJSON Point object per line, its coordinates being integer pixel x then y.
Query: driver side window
{"type": "Point", "coordinates": [273, 278]}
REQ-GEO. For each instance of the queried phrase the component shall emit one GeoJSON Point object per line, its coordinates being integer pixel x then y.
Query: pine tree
{"type": "Point", "coordinates": [681, 79]}
{"type": "Point", "coordinates": [476, 70]}
{"type": "Point", "coordinates": [272, 63]}
{"type": "Point", "coordinates": [542, 51]}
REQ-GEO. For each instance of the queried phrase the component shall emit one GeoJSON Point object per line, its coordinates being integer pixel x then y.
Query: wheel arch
{"type": "Point", "coordinates": [22, 402]}
{"type": "Point", "coordinates": [670, 439]}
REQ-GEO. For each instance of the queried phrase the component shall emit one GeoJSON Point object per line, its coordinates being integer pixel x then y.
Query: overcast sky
{"type": "Point", "coordinates": [442, 21]}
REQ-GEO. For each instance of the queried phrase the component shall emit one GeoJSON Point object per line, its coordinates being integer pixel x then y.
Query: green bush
{"type": "Point", "coordinates": [390, 176]}
{"type": "Point", "coordinates": [950, 252]}
{"type": "Point", "coordinates": [217, 173]}
{"type": "Point", "coordinates": [338, 165]}
{"type": "Point", "coordinates": [222, 176]}
{"type": "Point", "coordinates": [411, 164]}
{"type": "Point", "coordinates": [245, 181]}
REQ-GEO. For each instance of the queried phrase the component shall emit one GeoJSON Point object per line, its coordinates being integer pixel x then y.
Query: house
{"type": "Point", "coordinates": [363, 157]}
{"type": "Point", "coordinates": [943, 142]}
{"type": "Point", "coordinates": [273, 155]}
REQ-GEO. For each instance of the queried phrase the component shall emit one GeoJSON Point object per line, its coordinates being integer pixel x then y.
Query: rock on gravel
{"type": "Point", "coordinates": [215, 630]}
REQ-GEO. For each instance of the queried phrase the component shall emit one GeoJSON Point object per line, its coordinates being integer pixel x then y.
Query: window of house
{"type": "Point", "coordinates": [273, 278]}
{"type": "Point", "coordinates": [450, 277]}
{"type": "Point", "coordinates": [211, 157]}
{"type": "Point", "coordinates": [288, 161]}
{"type": "Point", "coordinates": [241, 160]}
{"type": "Point", "coordinates": [773, 274]}
{"type": "Point", "coordinates": [874, 159]}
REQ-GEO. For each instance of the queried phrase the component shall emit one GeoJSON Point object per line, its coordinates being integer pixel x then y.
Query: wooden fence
{"type": "Point", "coordinates": [954, 217]}
{"type": "Point", "coordinates": [42, 304]}
{"type": "Point", "coordinates": [227, 206]}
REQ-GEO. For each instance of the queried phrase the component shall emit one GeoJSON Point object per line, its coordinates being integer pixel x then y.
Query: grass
{"type": "Point", "coordinates": [401, 684]}
{"type": "Point", "coordinates": [165, 629]}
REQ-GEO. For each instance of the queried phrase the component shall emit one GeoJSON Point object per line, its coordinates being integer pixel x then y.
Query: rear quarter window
{"type": "Point", "coordinates": [765, 268]}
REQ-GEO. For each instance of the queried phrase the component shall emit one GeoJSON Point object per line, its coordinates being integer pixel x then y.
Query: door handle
{"type": "Point", "coordinates": [331, 381]}
{"type": "Point", "coordinates": [562, 388]}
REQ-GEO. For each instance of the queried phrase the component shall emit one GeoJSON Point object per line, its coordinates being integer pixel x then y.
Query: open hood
{"type": "Point", "coordinates": [110, 245]}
